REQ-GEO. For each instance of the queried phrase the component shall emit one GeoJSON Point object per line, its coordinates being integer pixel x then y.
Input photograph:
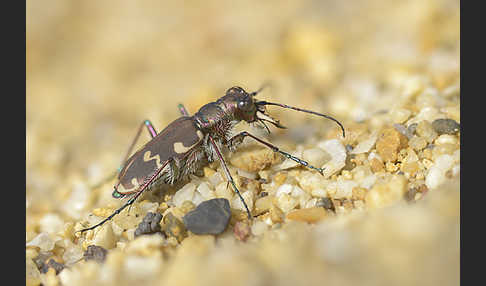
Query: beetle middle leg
{"type": "Point", "coordinates": [228, 174]}
{"type": "Point", "coordinates": [238, 138]}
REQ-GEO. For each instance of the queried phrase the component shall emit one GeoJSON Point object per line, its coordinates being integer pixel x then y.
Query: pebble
{"type": "Point", "coordinates": [96, 253]}
{"type": "Point", "coordinates": [150, 224]}
{"type": "Point", "coordinates": [316, 156]}
{"type": "Point", "coordinates": [310, 215]}
{"type": "Point", "coordinates": [209, 217]}
{"type": "Point", "coordinates": [366, 145]}
{"type": "Point", "coordinates": [104, 236]}
{"type": "Point", "coordinates": [403, 130]}
{"type": "Point", "coordinates": [58, 267]}
{"type": "Point", "coordinates": [446, 139]}
{"type": "Point", "coordinates": [263, 204]}
{"type": "Point", "coordinates": [446, 126]}
{"type": "Point", "coordinates": [389, 142]}
{"type": "Point", "coordinates": [437, 172]}
{"type": "Point", "coordinates": [338, 156]}
{"type": "Point", "coordinates": [386, 193]}
{"type": "Point", "coordinates": [43, 240]}
{"type": "Point", "coordinates": [174, 227]}
{"type": "Point", "coordinates": [417, 143]}
{"type": "Point", "coordinates": [242, 230]}
{"type": "Point", "coordinates": [326, 203]}
{"type": "Point", "coordinates": [254, 160]}
{"type": "Point", "coordinates": [258, 228]}
{"type": "Point", "coordinates": [376, 165]}
{"type": "Point", "coordinates": [400, 115]}
{"type": "Point", "coordinates": [425, 130]}
{"type": "Point", "coordinates": [319, 193]}
{"type": "Point", "coordinates": [286, 202]}
{"type": "Point", "coordinates": [186, 193]}
{"type": "Point", "coordinates": [51, 223]}
{"type": "Point", "coordinates": [276, 214]}
{"type": "Point", "coordinates": [32, 273]}
{"type": "Point", "coordinates": [205, 191]}
{"type": "Point", "coordinates": [284, 189]}
{"type": "Point", "coordinates": [72, 255]}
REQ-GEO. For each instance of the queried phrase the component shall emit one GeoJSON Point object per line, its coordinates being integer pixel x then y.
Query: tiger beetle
{"type": "Point", "coordinates": [190, 142]}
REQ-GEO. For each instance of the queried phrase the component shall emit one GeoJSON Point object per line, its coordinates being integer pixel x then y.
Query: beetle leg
{"type": "Point", "coordinates": [238, 138]}
{"type": "Point", "coordinates": [131, 200]}
{"type": "Point", "coordinates": [228, 174]}
{"type": "Point", "coordinates": [182, 110]}
{"type": "Point", "coordinates": [150, 129]}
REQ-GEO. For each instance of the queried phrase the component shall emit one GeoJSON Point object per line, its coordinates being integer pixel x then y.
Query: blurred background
{"type": "Point", "coordinates": [96, 69]}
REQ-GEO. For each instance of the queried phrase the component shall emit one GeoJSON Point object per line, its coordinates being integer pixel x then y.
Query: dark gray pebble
{"type": "Point", "coordinates": [52, 264]}
{"type": "Point", "coordinates": [96, 253]}
{"type": "Point", "coordinates": [209, 217]}
{"type": "Point", "coordinates": [325, 203]}
{"type": "Point", "coordinates": [446, 126]}
{"type": "Point", "coordinates": [150, 224]}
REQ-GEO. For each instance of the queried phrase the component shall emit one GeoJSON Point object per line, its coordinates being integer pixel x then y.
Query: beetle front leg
{"type": "Point", "coordinates": [238, 138]}
{"type": "Point", "coordinates": [228, 174]}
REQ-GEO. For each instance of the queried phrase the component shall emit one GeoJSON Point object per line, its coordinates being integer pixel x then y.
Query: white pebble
{"type": "Point", "coordinates": [197, 199]}
{"type": "Point", "coordinates": [437, 171]}
{"type": "Point", "coordinates": [368, 182]}
{"type": "Point", "coordinates": [344, 189]}
{"type": "Point", "coordinates": [338, 153]}
{"type": "Point", "coordinates": [205, 191]}
{"type": "Point", "coordinates": [316, 156]}
{"type": "Point", "coordinates": [321, 193]}
{"type": "Point", "coordinates": [72, 255]}
{"type": "Point", "coordinates": [104, 237]}
{"type": "Point", "coordinates": [43, 241]}
{"type": "Point", "coordinates": [286, 203]}
{"type": "Point", "coordinates": [149, 207]}
{"type": "Point", "coordinates": [366, 145]}
{"type": "Point", "coordinates": [51, 223]}
{"type": "Point", "coordinates": [186, 193]}
{"type": "Point", "coordinates": [446, 139]}
{"type": "Point", "coordinates": [283, 189]}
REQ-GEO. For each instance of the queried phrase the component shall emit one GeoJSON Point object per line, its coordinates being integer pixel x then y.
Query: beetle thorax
{"type": "Point", "coordinates": [217, 119]}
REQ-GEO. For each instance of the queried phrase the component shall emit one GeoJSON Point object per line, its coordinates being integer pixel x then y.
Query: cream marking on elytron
{"type": "Point", "coordinates": [156, 157]}
{"type": "Point", "coordinates": [179, 148]}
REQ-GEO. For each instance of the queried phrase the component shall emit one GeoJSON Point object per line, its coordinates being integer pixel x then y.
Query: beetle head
{"type": "Point", "coordinates": [247, 108]}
